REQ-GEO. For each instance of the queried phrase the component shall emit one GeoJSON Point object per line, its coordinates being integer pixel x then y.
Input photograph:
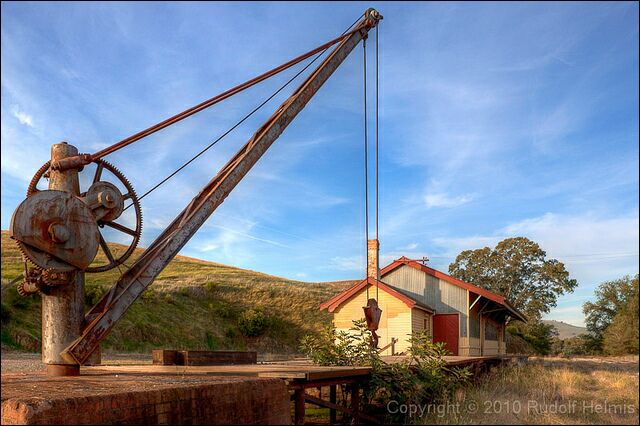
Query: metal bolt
{"type": "Point", "coordinates": [107, 198]}
{"type": "Point", "coordinates": [59, 233]}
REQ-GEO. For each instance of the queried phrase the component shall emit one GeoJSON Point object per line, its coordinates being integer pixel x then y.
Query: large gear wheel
{"type": "Point", "coordinates": [32, 280]}
{"type": "Point", "coordinates": [130, 195]}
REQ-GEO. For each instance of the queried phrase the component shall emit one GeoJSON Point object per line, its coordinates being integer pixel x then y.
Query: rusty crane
{"type": "Point", "coordinates": [58, 229]}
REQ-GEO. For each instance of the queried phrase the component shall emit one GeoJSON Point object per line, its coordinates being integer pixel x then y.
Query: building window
{"type": "Point", "coordinates": [490, 331]}
{"type": "Point", "coordinates": [474, 324]}
{"type": "Point", "coordinates": [427, 324]}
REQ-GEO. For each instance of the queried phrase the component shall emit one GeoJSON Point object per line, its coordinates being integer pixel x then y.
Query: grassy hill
{"type": "Point", "coordinates": [193, 304]}
{"type": "Point", "coordinates": [565, 331]}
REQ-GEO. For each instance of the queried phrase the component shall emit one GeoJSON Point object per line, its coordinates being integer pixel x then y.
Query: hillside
{"type": "Point", "coordinates": [565, 331]}
{"type": "Point", "coordinates": [194, 304]}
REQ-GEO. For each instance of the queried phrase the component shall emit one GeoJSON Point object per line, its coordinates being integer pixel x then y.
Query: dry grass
{"type": "Point", "coordinates": [193, 304]}
{"type": "Point", "coordinates": [551, 391]}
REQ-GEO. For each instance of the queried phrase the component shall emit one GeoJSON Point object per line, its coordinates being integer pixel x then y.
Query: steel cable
{"type": "Point", "coordinates": [366, 167]}
{"type": "Point", "coordinates": [247, 116]}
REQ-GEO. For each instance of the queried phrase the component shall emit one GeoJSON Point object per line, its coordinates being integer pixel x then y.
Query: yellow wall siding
{"type": "Point", "coordinates": [394, 322]}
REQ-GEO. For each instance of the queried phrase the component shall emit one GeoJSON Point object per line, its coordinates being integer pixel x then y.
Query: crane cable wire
{"type": "Point", "coordinates": [220, 97]}
{"type": "Point", "coordinates": [366, 162]}
{"type": "Point", "coordinates": [243, 119]}
{"type": "Point", "coordinates": [377, 162]}
{"type": "Point", "coordinates": [366, 167]}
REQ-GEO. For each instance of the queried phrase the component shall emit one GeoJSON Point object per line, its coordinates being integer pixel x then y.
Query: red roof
{"type": "Point", "coordinates": [337, 300]}
{"type": "Point", "coordinates": [441, 275]}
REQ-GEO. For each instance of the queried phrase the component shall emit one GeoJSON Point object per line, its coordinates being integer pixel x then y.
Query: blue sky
{"type": "Point", "coordinates": [497, 120]}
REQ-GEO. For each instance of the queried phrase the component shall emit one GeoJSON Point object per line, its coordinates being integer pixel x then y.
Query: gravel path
{"type": "Point", "coordinates": [17, 361]}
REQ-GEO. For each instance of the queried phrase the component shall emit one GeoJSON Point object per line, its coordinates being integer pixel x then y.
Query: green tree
{"type": "Point", "coordinates": [538, 335]}
{"type": "Point", "coordinates": [613, 317]}
{"type": "Point", "coordinates": [611, 298]}
{"type": "Point", "coordinates": [582, 344]}
{"type": "Point", "coordinates": [519, 270]}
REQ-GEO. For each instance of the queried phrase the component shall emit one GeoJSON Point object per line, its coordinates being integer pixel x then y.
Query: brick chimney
{"type": "Point", "coordinates": [373, 258]}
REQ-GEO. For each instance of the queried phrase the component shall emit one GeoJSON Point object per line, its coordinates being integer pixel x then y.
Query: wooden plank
{"type": "Point", "coordinates": [332, 400]}
{"type": "Point", "coordinates": [355, 403]}
{"type": "Point", "coordinates": [176, 357]}
{"type": "Point", "coordinates": [335, 407]}
{"type": "Point", "coordinates": [283, 374]}
{"type": "Point", "coordinates": [303, 384]}
{"type": "Point", "coordinates": [321, 374]}
{"type": "Point", "coordinates": [219, 357]}
{"type": "Point", "coordinates": [164, 357]}
{"type": "Point", "coordinates": [299, 406]}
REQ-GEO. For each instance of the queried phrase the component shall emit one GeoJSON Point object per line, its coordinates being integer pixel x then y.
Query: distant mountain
{"type": "Point", "coordinates": [566, 331]}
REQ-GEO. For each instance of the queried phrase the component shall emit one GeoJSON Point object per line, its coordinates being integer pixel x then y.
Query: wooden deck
{"type": "Point", "coordinates": [285, 371]}
{"type": "Point", "coordinates": [299, 375]}
{"type": "Point", "coordinates": [301, 369]}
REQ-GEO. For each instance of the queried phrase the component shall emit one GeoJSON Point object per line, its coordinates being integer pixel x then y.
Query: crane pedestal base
{"type": "Point", "coordinates": [63, 370]}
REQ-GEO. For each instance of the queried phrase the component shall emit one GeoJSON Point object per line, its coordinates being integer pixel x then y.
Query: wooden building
{"type": "Point", "coordinates": [412, 296]}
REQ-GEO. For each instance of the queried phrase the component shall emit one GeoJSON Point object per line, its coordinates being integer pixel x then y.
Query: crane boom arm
{"type": "Point", "coordinates": [102, 317]}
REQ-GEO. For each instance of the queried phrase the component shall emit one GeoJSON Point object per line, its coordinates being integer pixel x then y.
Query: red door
{"type": "Point", "coordinates": [446, 329]}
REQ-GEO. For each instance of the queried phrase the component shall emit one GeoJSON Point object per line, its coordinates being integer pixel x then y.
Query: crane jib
{"type": "Point", "coordinates": [102, 317]}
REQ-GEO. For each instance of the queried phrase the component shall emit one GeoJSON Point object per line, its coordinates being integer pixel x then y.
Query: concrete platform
{"type": "Point", "coordinates": [151, 397]}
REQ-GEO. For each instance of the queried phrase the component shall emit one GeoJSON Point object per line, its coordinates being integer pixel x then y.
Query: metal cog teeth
{"type": "Point", "coordinates": [27, 257]}
{"type": "Point", "coordinates": [33, 185]}
{"type": "Point", "coordinates": [20, 289]}
{"type": "Point", "coordinates": [138, 213]}
{"type": "Point", "coordinates": [46, 276]}
{"type": "Point", "coordinates": [134, 199]}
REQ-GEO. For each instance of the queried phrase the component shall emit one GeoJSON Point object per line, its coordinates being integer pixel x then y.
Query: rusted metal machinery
{"type": "Point", "coordinates": [58, 229]}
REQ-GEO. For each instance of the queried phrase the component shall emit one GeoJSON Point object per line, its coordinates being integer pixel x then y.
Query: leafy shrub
{"type": "Point", "coordinates": [537, 334]}
{"type": "Point", "coordinates": [93, 293]}
{"type": "Point", "coordinates": [583, 344]}
{"type": "Point", "coordinates": [331, 347]}
{"type": "Point", "coordinates": [252, 322]}
{"type": "Point", "coordinates": [230, 333]}
{"type": "Point", "coordinates": [421, 377]}
{"type": "Point", "coordinates": [5, 313]}
{"type": "Point", "coordinates": [224, 310]}
{"type": "Point", "coordinates": [211, 286]}
{"type": "Point", "coordinates": [517, 345]}
{"type": "Point", "coordinates": [211, 342]}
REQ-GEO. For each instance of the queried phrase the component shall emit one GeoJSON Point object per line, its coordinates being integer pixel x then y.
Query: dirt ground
{"type": "Point", "coordinates": [18, 362]}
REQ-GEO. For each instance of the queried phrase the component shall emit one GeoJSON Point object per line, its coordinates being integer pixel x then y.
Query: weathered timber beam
{"type": "Point", "coordinates": [327, 404]}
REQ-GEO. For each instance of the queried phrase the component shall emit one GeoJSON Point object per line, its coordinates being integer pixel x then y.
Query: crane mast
{"type": "Point", "coordinates": [100, 320]}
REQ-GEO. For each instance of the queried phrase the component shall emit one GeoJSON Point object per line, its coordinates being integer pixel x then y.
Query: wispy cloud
{"type": "Point", "coordinates": [410, 246]}
{"type": "Point", "coordinates": [22, 116]}
{"type": "Point", "coordinates": [593, 248]}
{"type": "Point", "coordinates": [503, 129]}
{"type": "Point", "coordinates": [353, 264]}
{"type": "Point", "coordinates": [446, 200]}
